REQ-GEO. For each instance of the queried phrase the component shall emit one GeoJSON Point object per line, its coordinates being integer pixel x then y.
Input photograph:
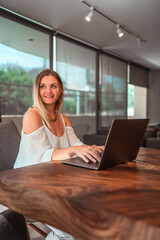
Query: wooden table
{"type": "Point", "coordinates": [121, 202]}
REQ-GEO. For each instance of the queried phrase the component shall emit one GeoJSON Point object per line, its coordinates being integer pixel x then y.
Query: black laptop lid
{"type": "Point", "coordinates": [123, 141]}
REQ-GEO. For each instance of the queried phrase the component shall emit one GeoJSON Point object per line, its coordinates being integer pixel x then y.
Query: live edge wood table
{"type": "Point", "coordinates": [122, 202]}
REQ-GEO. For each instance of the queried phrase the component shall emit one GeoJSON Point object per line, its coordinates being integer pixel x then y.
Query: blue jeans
{"type": "Point", "coordinates": [57, 234]}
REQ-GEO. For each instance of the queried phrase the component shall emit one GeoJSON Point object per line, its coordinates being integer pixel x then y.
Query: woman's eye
{"type": "Point", "coordinates": [53, 86]}
{"type": "Point", "coordinates": [42, 86]}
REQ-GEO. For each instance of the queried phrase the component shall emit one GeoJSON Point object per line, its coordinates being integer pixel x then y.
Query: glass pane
{"type": "Point", "coordinates": [24, 53]}
{"type": "Point", "coordinates": [137, 101]}
{"type": "Point", "coordinates": [113, 90]}
{"type": "Point", "coordinates": [130, 102]}
{"type": "Point", "coordinates": [76, 66]}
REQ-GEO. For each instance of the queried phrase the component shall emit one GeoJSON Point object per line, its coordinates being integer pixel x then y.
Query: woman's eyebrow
{"type": "Point", "coordinates": [50, 84]}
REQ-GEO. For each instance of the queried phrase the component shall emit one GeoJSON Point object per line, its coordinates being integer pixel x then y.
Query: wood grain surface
{"type": "Point", "coordinates": [120, 203]}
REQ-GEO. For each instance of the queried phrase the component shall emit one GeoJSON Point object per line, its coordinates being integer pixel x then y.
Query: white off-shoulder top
{"type": "Point", "coordinates": [37, 147]}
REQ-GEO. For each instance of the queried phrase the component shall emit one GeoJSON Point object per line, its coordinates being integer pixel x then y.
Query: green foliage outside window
{"type": "Point", "coordinates": [16, 94]}
{"type": "Point", "coordinates": [15, 91]}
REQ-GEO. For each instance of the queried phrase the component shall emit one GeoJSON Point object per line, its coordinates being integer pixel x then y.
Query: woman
{"type": "Point", "coordinates": [48, 135]}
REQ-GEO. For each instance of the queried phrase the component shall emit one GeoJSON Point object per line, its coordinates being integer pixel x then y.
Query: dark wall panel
{"type": "Point", "coordinates": [153, 108]}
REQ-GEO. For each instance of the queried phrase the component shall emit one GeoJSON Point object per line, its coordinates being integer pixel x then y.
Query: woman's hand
{"type": "Point", "coordinates": [89, 153]}
{"type": "Point", "coordinates": [99, 149]}
{"type": "Point", "coordinates": [86, 152]}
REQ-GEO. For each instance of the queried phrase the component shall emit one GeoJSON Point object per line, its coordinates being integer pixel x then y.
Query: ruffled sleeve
{"type": "Point", "coordinates": [72, 138]}
{"type": "Point", "coordinates": [34, 148]}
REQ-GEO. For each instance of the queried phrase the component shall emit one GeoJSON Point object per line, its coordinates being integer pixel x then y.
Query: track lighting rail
{"type": "Point", "coordinates": [124, 28]}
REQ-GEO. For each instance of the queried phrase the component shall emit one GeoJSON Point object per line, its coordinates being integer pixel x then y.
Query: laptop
{"type": "Point", "coordinates": [122, 144]}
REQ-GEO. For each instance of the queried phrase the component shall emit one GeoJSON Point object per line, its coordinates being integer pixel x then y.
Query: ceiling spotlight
{"type": "Point", "coordinates": [139, 42]}
{"type": "Point", "coordinates": [90, 14]}
{"type": "Point", "coordinates": [119, 32]}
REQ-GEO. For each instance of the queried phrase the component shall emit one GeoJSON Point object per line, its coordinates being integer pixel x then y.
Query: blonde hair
{"type": "Point", "coordinates": [38, 104]}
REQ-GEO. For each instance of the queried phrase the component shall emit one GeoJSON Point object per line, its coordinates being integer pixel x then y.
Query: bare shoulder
{"type": "Point", "coordinates": [31, 121]}
{"type": "Point", "coordinates": [67, 121]}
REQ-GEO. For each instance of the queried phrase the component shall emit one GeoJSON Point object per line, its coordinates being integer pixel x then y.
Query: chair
{"type": "Point", "coordinates": [9, 144]}
{"type": "Point", "coordinates": [97, 139]}
{"type": "Point", "coordinates": [153, 143]}
{"type": "Point", "coordinates": [80, 130]}
{"type": "Point", "coordinates": [9, 147]}
{"type": "Point", "coordinates": [150, 133]}
{"type": "Point", "coordinates": [152, 136]}
{"type": "Point", "coordinates": [13, 226]}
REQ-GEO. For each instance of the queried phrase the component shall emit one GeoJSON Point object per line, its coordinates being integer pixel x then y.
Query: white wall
{"type": "Point", "coordinates": [140, 102]}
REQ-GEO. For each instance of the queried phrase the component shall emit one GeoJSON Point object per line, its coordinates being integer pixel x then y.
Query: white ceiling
{"type": "Point", "coordinates": [68, 16]}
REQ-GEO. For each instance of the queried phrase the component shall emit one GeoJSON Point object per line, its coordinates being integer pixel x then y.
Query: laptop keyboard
{"type": "Point", "coordinates": [80, 162]}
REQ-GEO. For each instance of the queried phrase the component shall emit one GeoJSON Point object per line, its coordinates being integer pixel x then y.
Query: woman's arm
{"type": "Point", "coordinates": [31, 121]}
{"type": "Point", "coordinates": [86, 152]}
{"type": "Point", "coordinates": [34, 146]}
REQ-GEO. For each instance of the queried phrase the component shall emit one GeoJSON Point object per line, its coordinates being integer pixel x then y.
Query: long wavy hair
{"type": "Point", "coordinates": [38, 104]}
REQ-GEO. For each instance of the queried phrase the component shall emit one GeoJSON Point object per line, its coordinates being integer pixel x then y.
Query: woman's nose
{"type": "Point", "coordinates": [48, 89]}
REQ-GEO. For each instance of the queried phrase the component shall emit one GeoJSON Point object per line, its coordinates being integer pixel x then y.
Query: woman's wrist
{"type": "Point", "coordinates": [72, 150]}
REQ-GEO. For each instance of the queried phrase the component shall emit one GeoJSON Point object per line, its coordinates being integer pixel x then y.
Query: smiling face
{"type": "Point", "coordinates": [49, 90]}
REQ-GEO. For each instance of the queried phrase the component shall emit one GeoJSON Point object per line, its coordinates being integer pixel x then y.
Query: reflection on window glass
{"type": "Point", "coordinates": [21, 60]}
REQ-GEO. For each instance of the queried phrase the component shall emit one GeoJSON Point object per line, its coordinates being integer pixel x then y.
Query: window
{"type": "Point", "coordinates": [137, 92]}
{"type": "Point", "coordinates": [137, 101]}
{"type": "Point", "coordinates": [24, 53]}
{"type": "Point", "coordinates": [25, 50]}
{"type": "Point", "coordinates": [113, 90]}
{"type": "Point", "coordinates": [76, 66]}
